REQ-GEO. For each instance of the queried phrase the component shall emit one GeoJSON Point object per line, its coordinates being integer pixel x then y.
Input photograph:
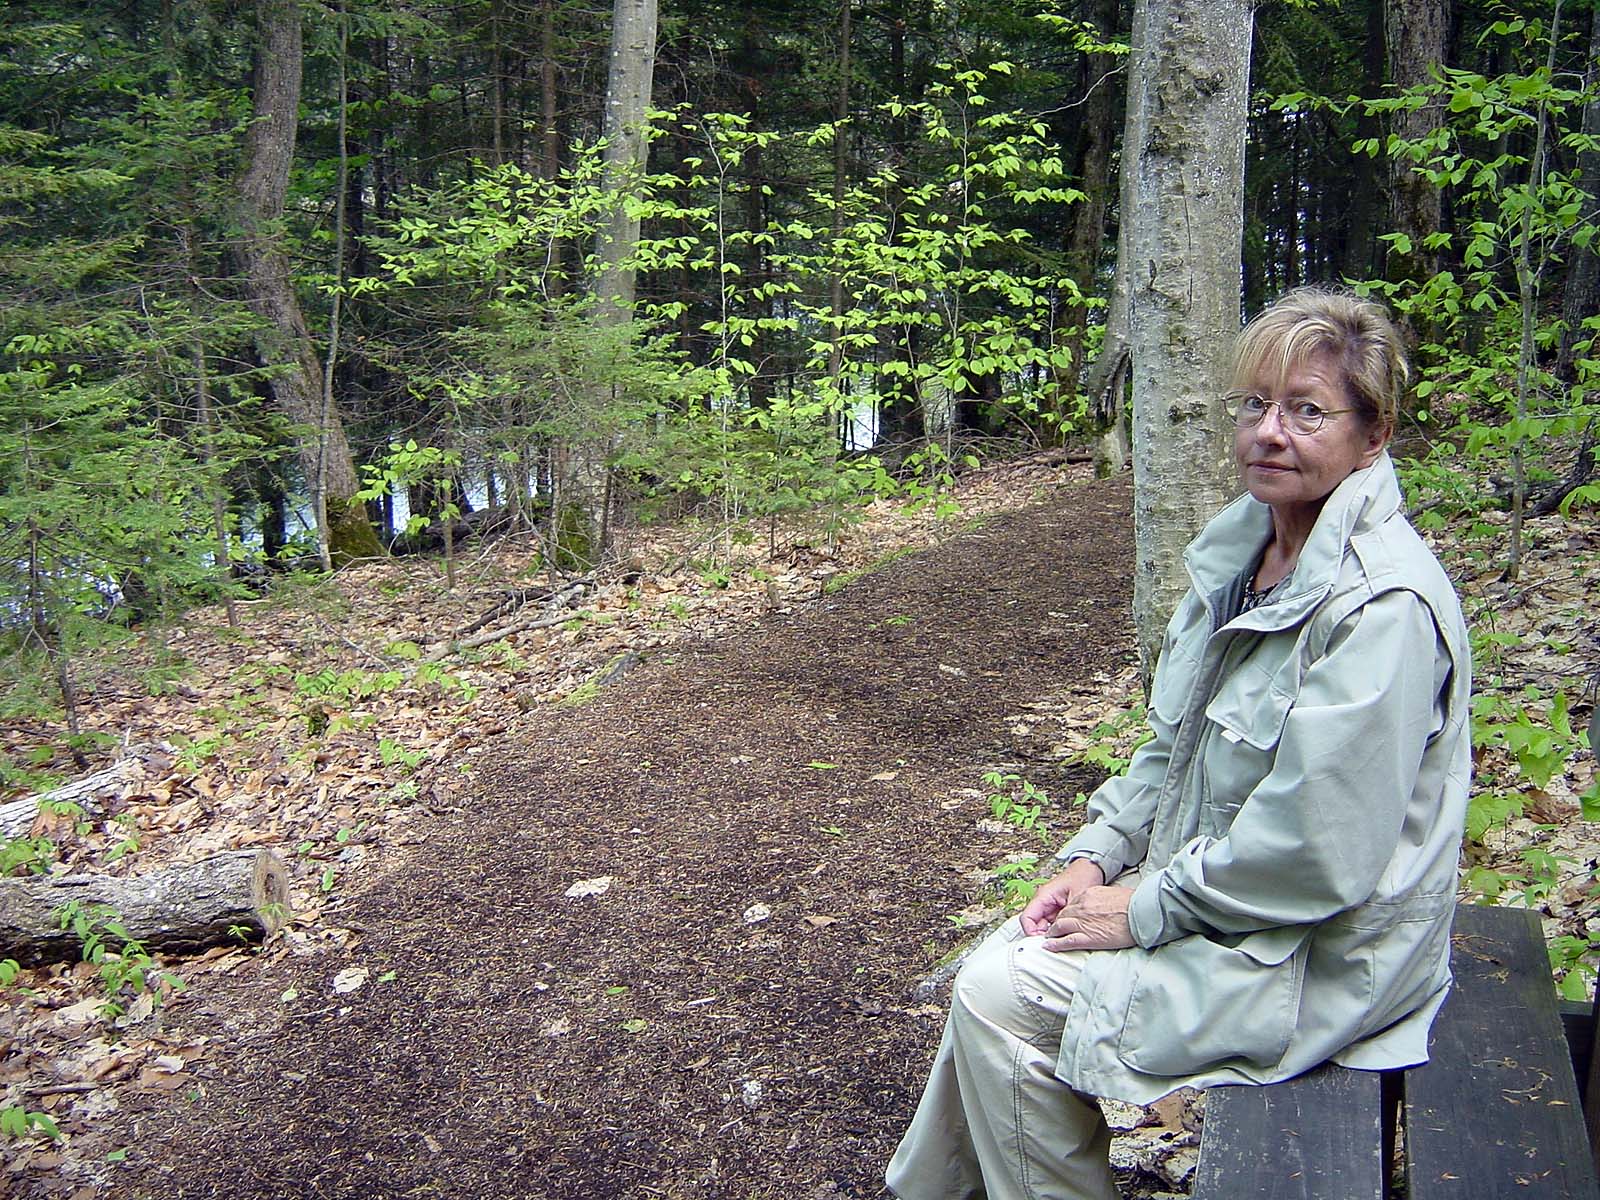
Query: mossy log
{"type": "Point", "coordinates": [227, 899]}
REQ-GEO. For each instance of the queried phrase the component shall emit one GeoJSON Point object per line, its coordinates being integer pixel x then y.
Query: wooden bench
{"type": "Point", "coordinates": [1495, 1114]}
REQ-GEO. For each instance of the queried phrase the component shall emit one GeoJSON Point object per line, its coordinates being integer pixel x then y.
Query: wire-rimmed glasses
{"type": "Point", "coordinates": [1302, 417]}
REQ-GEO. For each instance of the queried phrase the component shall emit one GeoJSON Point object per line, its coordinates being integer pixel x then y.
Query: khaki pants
{"type": "Point", "coordinates": [994, 1120]}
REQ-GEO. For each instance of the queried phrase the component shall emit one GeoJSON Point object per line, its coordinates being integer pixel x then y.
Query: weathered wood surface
{"type": "Point", "coordinates": [1495, 1112]}
{"type": "Point", "coordinates": [96, 793]}
{"type": "Point", "coordinates": [18, 816]}
{"type": "Point", "coordinates": [222, 900]}
{"type": "Point", "coordinates": [1316, 1137]}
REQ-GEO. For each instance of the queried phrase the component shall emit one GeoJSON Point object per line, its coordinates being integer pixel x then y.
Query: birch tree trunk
{"type": "Point", "coordinates": [1185, 148]}
{"type": "Point", "coordinates": [286, 341]}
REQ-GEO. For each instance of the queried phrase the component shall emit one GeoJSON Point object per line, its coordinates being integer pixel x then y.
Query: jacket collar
{"type": "Point", "coordinates": [1234, 538]}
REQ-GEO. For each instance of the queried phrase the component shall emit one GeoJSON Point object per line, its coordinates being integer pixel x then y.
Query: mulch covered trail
{"type": "Point", "coordinates": [650, 1041]}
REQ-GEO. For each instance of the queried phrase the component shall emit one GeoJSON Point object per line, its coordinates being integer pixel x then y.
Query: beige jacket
{"type": "Point", "coordinates": [1296, 819]}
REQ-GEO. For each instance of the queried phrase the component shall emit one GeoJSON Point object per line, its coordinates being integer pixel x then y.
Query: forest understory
{"type": "Point", "coordinates": [665, 936]}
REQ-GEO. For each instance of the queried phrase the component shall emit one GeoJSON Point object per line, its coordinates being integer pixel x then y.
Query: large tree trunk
{"type": "Point", "coordinates": [1414, 33]}
{"type": "Point", "coordinates": [224, 900]}
{"type": "Point", "coordinates": [286, 341]}
{"type": "Point", "coordinates": [1185, 147]}
{"type": "Point", "coordinates": [580, 524]}
{"type": "Point", "coordinates": [628, 86]}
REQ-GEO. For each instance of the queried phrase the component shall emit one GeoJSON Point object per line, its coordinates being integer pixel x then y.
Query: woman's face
{"type": "Point", "coordinates": [1294, 472]}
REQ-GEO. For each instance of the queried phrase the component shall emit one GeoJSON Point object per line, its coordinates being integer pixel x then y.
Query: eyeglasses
{"type": "Point", "coordinates": [1303, 417]}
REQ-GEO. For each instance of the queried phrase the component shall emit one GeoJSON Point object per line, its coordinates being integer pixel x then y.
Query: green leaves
{"type": "Point", "coordinates": [17, 1123]}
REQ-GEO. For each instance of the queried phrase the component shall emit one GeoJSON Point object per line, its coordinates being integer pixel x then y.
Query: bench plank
{"type": "Point", "coordinates": [1315, 1137]}
{"type": "Point", "coordinates": [1495, 1112]}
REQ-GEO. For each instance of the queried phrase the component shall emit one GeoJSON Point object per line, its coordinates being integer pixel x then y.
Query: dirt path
{"type": "Point", "coordinates": [650, 1041]}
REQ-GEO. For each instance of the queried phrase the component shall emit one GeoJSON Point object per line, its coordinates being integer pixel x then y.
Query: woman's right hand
{"type": "Point", "coordinates": [1081, 874]}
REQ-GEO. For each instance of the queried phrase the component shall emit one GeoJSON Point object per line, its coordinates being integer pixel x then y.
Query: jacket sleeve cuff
{"type": "Point", "coordinates": [1101, 845]}
{"type": "Point", "coordinates": [1146, 923]}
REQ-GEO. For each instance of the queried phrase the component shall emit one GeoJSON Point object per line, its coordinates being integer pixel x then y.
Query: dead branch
{"type": "Point", "coordinates": [553, 613]}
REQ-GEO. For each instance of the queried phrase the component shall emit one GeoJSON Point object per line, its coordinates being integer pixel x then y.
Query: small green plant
{"type": "Point", "coordinates": [125, 971]}
{"type": "Point", "coordinates": [202, 749]}
{"type": "Point", "coordinates": [31, 855]}
{"type": "Point", "coordinates": [17, 777]}
{"type": "Point", "coordinates": [1114, 740]}
{"type": "Point", "coordinates": [1572, 963]}
{"type": "Point", "coordinates": [1535, 730]}
{"type": "Point", "coordinates": [392, 753]}
{"type": "Point", "coordinates": [1019, 880]}
{"type": "Point", "coordinates": [1014, 800]}
{"type": "Point", "coordinates": [10, 969]}
{"type": "Point", "coordinates": [714, 576]}
{"type": "Point", "coordinates": [17, 1123]}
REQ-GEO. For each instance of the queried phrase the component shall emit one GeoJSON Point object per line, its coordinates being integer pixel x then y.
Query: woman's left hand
{"type": "Point", "coordinates": [1095, 919]}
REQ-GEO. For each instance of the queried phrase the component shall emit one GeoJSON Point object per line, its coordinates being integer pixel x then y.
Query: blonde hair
{"type": "Point", "coordinates": [1354, 332]}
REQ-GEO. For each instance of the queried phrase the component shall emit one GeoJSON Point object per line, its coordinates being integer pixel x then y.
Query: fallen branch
{"type": "Point", "coordinates": [515, 599]}
{"type": "Point", "coordinates": [223, 900]}
{"type": "Point", "coordinates": [1582, 471]}
{"type": "Point", "coordinates": [553, 614]}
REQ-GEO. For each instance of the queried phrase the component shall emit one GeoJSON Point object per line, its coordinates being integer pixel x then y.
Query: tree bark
{"type": "Point", "coordinates": [1582, 296]}
{"type": "Point", "coordinates": [841, 117]}
{"type": "Point", "coordinates": [218, 901]}
{"type": "Point", "coordinates": [1088, 234]}
{"type": "Point", "coordinates": [286, 340]}
{"type": "Point", "coordinates": [1414, 33]}
{"type": "Point", "coordinates": [1185, 147]}
{"type": "Point", "coordinates": [628, 86]}
{"type": "Point", "coordinates": [1365, 198]}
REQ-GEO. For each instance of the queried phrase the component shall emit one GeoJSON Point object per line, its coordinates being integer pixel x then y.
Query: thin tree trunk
{"type": "Point", "coordinates": [628, 87]}
{"type": "Point", "coordinates": [841, 117]}
{"type": "Point", "coordinates": [1582, 297]}
{"type": "Point", "coordinates": [550, 137]}
{"type": "Point", "coordinates": [208, 456]}
{"type": "Point", "coordinates": [1089, 217]}
{"type": "Point", "coordinates": [1365, 198]}
{"type": "Point", "coordinates": [340, 190]}
{"type": "Point", "coordinates": [1106, 383]}
{"type": "Point", "coordinates": [1528, 281]}
{"type": "Point", "coordinates": [497, 85]}
{"type": "Point", "coordinates": [1185, 147]}
{"type": "Point", "coordinates": [286, 342]}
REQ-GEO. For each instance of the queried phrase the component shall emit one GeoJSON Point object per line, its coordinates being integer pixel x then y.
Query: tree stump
{"type": "Point", "coordinates": [227, 899]}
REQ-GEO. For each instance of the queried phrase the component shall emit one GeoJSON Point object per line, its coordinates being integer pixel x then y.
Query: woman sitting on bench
{"type": "Point", "coordinates": [1271, 884]}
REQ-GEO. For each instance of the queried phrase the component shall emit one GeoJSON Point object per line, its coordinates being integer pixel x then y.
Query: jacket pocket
{"type": "Point", "coordinates": [1246, 722]}
{"type": "Point", "coordinates": [1198, 1002]}
{"type": "Point", "coordinates": [1252, 709]}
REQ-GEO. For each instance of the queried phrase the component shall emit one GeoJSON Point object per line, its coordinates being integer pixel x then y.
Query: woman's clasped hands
{"type": "Point", "coordinates": [1077, 911]}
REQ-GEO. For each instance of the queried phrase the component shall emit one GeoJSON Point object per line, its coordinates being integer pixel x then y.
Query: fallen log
{"type": "Point", "coordinates": [92, 793]}
{"type": "Point", "coordinates": [227, 899]}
